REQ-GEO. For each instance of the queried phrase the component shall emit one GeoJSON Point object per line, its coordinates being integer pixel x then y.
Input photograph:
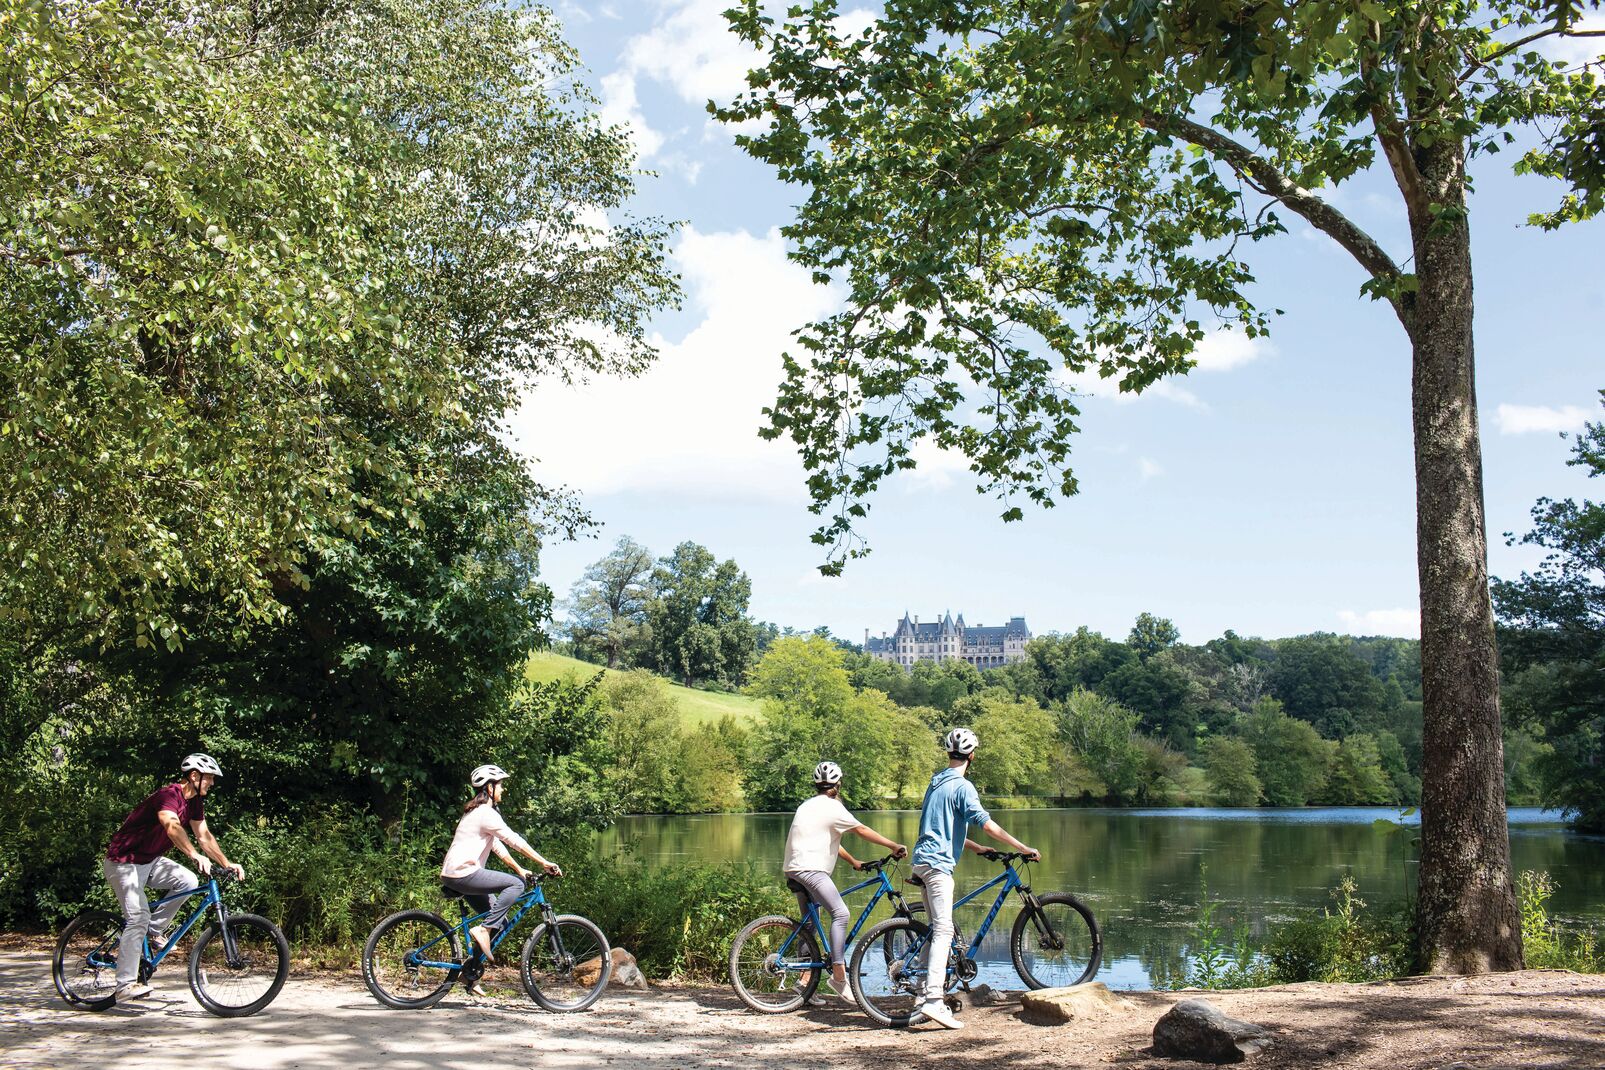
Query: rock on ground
{"type": "Point", "coordinates": [1196, 1029]}
{"type": "Point", "coordinates": [626, 972]}
{"type": "Point", "coordinates": [1049, 1006]}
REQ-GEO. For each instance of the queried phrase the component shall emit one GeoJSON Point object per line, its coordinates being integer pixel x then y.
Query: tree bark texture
{"type": "Point", "coordinates": [1467, 910]}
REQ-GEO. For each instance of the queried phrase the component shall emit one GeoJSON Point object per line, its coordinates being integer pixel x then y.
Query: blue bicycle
{"type": "Point", "coordinates": [412, 958]}
{"type": "Point", "coordinates": [775, 962]}
{"type": "Point", "coordinates": [236, 968]}
{"type": "Point", "coordinates": [1055, 943]}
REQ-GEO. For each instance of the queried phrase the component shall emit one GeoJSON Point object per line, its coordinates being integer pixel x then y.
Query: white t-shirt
{"type": "Point", "coordinates": [479, 828]}
{"type": "Point", "coordinates": [816, 835]}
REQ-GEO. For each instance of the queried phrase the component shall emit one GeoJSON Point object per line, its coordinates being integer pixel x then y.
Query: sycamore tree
{"type": "Point", "coordinates": [1017, 193]}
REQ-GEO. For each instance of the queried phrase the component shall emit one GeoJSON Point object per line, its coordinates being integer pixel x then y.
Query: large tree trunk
{"type": "Point", "coordinates": [1468, 920]}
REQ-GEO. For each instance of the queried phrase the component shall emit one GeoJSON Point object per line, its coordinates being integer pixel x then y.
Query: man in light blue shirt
{"type": "Point", "coordinates": [951, 806]}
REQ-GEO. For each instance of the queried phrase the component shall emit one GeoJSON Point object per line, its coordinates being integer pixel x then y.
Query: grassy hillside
{"type": "Point", "coordinates": [696, 707]}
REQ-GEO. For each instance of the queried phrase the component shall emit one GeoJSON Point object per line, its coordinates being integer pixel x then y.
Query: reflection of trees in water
{"type": "Point", "coordinates": [1142, 873]}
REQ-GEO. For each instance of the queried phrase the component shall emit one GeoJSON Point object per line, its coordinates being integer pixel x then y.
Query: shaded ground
{"type": "Point", "coordinates": [1537, 1019]}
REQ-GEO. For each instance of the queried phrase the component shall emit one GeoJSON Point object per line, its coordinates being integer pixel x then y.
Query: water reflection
{"type": "Point", "coordinates": [1141, 870]}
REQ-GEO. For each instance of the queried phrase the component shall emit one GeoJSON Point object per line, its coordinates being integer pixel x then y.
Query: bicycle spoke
{"type": "Point", "coordinates": [245, 976]}
{"type": "Point", "coordinates": [396, 965]}
{"type": "Point", "coordinates": [887, 973]}
{"type": "Point", "coordinates": [86, 958]}
{"type": "Point", "coordinates": [566, 964]}
{"type": "Point", "coordinates": [768, 964]}
{"type": "Point", "coordinates": [1055, 945]}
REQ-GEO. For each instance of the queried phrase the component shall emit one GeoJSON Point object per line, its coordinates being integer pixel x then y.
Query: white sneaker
{"type": "Point", "coordinates": [938, 1013]}
{"type": "Point", "coordinates": [830, 989]}
{"type": "Point", "coordinates": [132, 990]}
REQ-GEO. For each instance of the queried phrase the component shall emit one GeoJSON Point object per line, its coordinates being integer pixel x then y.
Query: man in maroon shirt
{"type": "Point", "coordinates": [134, 862]}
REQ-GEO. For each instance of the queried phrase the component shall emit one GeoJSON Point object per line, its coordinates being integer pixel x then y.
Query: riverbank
{"type": "Point", "coordinates": [1543, 1019]}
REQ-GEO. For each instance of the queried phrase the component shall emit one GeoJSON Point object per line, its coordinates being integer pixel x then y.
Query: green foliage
{"type": "Point", "coordinates": [1152, 634]}
{"type": "Point", "coordinates": [1321, 680]}
{"type": "Point", "coordinates": [1343, 944]}
{"type": "Point", "coordinates": [1356, 776]}
{"type": "Point", "coordinates": [607, 608]}
{"type": "Point", "coordinates": [1546, 946]}
{"type": "Point", "coordinates": [1291, 759]}
{"type": "Point", "coordinates": [698, 618]}
{"type": "Point", "coordinates": [645, 739]}
{"type": "Point", "coordinates": [359, 211]}
{"type": "Point", "coordinates": [1229, 764]}
{"type": "Point", "coordinates": [1015, 196]}
{"type": "Point", "coordinates": [1212, 962]}
{"type": "Point", "coordinates": [1104, 734]}
{"type": "Point", "coordinates": [1018, 738]}
{"type": "Point", "coordinates": [1553, 643]}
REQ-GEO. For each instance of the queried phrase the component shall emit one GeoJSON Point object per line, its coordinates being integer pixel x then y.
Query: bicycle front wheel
{"type": "Point", "coordinates": [566, 964]}
{"type": "Point", "coordinates": [886, 972]}
{"type": "Point", "coordinates": [396, 960]}
{"type": "Point", "coordinates": [771, 964]}
{"type": "Point", "coordinates": [238, 982]}
{"type": "Point", "coordinates": [1056, 943]}
{"type": "Point", "coordinates": [84, 967]}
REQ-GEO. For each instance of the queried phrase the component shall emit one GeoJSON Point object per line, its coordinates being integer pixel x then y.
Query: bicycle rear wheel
{"type": "Point", "coordinates": [767, 980]}
{"type": "Point", "coordinates": [395, 959]}
{"type": "Point", "coordinates": [885, 971]}
{"type": "Point", "coordinates": [84, 966]}
{"type": "Point", "coordinates": [566, 964]}
{"type": "Point", "coordinates": [1057, 943]}
{"type": "Point", "coordinates": [242, 983]}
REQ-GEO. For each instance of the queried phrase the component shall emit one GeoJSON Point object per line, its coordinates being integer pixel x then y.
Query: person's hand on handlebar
{"type": "Point", "coordinates": [900, 851]}
{"type": "Point", "coordinates": [1031, 853]}
{"type": "Point", "coordinates": [203, 864]}
{"type": "Point", "coordinates": [552, 869]}
{"type": "Point", "coordinates": [239, 870]}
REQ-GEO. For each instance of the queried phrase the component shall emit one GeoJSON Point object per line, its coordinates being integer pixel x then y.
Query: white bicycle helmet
{"type": "Point", "coordinates": [827, 773]}
{"type": "Point", "coordinates": [200, 763]}
{"type": "Point", "coordinates": [485, 774]}
{"type": "Point", "coordinates": [961, 742]}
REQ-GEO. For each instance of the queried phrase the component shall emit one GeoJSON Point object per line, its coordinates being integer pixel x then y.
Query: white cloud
{"type": "Point", "coordinates": [689, 425]}
{"type": "Point", "coordinates": [1149, 468]}
{"type": "Point", "coordinates": [1405, 623]}
{"type": "Point", "coordinates": [1224, 349]}
{"type": "Point", "coordinates": [1577, 49]}
{"type": "Point", "coordinates": [620, 107]}
{"type": "Point", "coordinates": [936, 468]}
{"type": "Point", "coordinates": [1535, 419]}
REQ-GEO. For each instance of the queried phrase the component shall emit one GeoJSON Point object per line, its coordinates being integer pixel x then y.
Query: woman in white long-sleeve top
{"type": "Point", "coordinates": [481, 831]}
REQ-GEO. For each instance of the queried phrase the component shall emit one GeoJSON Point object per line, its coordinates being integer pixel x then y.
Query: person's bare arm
{"type": "Point", "coordinates": [209, 844]}
{"type": "Point", "coordinates": [175, 832]}
{"type": "Point", "coordinates": [506, 856]}
{"type": "Point", "coordinates": [995, 830]}
{"type": "Point", "coordinates": [874, 837]}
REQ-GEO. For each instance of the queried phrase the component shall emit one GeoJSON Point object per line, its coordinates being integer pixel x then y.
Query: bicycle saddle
{"type": "Point", "coordinates": [915, 881]}
{"type": "Point", "coordinates": [450, 893]}
{"type": "Point", "coordinates": [795, 886]}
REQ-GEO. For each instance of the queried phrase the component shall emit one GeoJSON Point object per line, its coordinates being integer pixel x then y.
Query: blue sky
{"type": "Point", "coordinates": [1270, 491]}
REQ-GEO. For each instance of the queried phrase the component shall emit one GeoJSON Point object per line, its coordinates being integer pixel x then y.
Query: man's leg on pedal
{"type": "Point", "coordinates": [167, 877]}
{"type": "Point", "coordinates": [127, 882]}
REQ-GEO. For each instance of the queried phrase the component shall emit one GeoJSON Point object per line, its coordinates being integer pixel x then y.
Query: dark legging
{"type": "Point", "coordinates": [488, 889]}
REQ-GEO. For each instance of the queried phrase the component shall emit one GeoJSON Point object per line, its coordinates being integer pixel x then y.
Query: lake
{"type": "Point", "coordinates": [1142, 870]}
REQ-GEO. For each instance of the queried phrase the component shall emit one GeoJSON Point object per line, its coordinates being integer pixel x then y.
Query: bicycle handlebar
{"type": "Point", "coordinates": [1005, 856]}
{"type": "Point", "coordinates": [879, 863]}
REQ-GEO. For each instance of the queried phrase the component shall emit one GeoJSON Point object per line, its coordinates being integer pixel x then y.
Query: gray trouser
{"type": "Point", "coordinates": [938, 892]}
{"type": "Point", "coordinates": [488, 889]}
{"type": "Point", "coordinates": [128, 882]}
{"type": "Point", "coordinates": [822, 890]}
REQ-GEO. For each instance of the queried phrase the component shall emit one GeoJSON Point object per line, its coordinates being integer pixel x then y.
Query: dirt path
{"type": "Point", "coordinates": [1538, 1019]}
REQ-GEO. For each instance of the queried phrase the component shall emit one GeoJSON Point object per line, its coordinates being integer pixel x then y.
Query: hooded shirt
{"type": "Point", "coordinates": [951, 806]}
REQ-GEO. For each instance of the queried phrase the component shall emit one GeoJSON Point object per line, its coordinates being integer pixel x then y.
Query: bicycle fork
{"type": "Point", "coordinates": [1051, 940]}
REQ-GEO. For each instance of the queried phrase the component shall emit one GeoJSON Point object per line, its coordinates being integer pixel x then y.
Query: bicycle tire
{"type": "Point", "coordinates": [1080, 950]}
{"type": "Point", "coordinates": [97, 927]}
{"type": "Point", "coordinates": [374, 970]}
{"type": "Point", "coordinates": [581, 941]}
{"type": "Point", "coordinates": [876, 972]}
{"type": "Point", "coordinates": [264, 955]}
{"type": "Point", "coordinates": [764, 936]}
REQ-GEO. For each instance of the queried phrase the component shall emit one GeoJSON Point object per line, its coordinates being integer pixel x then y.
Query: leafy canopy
{"type": "Point", "coordinates": [1017, 194]}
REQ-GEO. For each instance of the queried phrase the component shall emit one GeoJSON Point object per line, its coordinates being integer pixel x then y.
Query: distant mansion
{"type": "Point", "coordinates": [983, 647]}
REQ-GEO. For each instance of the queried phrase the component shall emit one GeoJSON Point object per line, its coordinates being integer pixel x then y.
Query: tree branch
{"type": "Point", "coordinates": [1269, 180]}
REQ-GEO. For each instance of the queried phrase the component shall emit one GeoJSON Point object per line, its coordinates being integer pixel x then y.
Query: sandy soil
{"type": "Point", "coordinates": [1537, 1019]}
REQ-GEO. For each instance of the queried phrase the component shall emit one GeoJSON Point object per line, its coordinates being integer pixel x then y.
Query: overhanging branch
{"type": "Point", "coordinates": [1269, 180]}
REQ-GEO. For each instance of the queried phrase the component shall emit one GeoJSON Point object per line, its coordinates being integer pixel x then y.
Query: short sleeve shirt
{"type": "Point", "coordinates": [141, 838]}
{"type": "Point", "coordinates": [816, 835]}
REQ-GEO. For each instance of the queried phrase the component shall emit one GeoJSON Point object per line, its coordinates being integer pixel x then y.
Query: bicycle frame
{"type": "Point", "coordinates": [885, 887]}
{"type": "Point", "coordinates": [532, 899]}
{"type": "Point", "coordinates": [211, 897]}
{"type": "Point", "coordinates": [1010, 880]}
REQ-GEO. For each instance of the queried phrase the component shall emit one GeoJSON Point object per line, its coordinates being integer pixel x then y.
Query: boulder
{"type": "Point", "coordinates": [1051, 1006]}
{"type": "Point", "coordinates": [626, 973]}
{"type": "Point", "coordinates": [1196, 1029]}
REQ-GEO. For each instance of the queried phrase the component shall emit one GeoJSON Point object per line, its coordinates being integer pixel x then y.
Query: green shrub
{"type": "Point", "coordinates": [1343, 944]}
{"type": "Point", "coordinates": [1544, 943]}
